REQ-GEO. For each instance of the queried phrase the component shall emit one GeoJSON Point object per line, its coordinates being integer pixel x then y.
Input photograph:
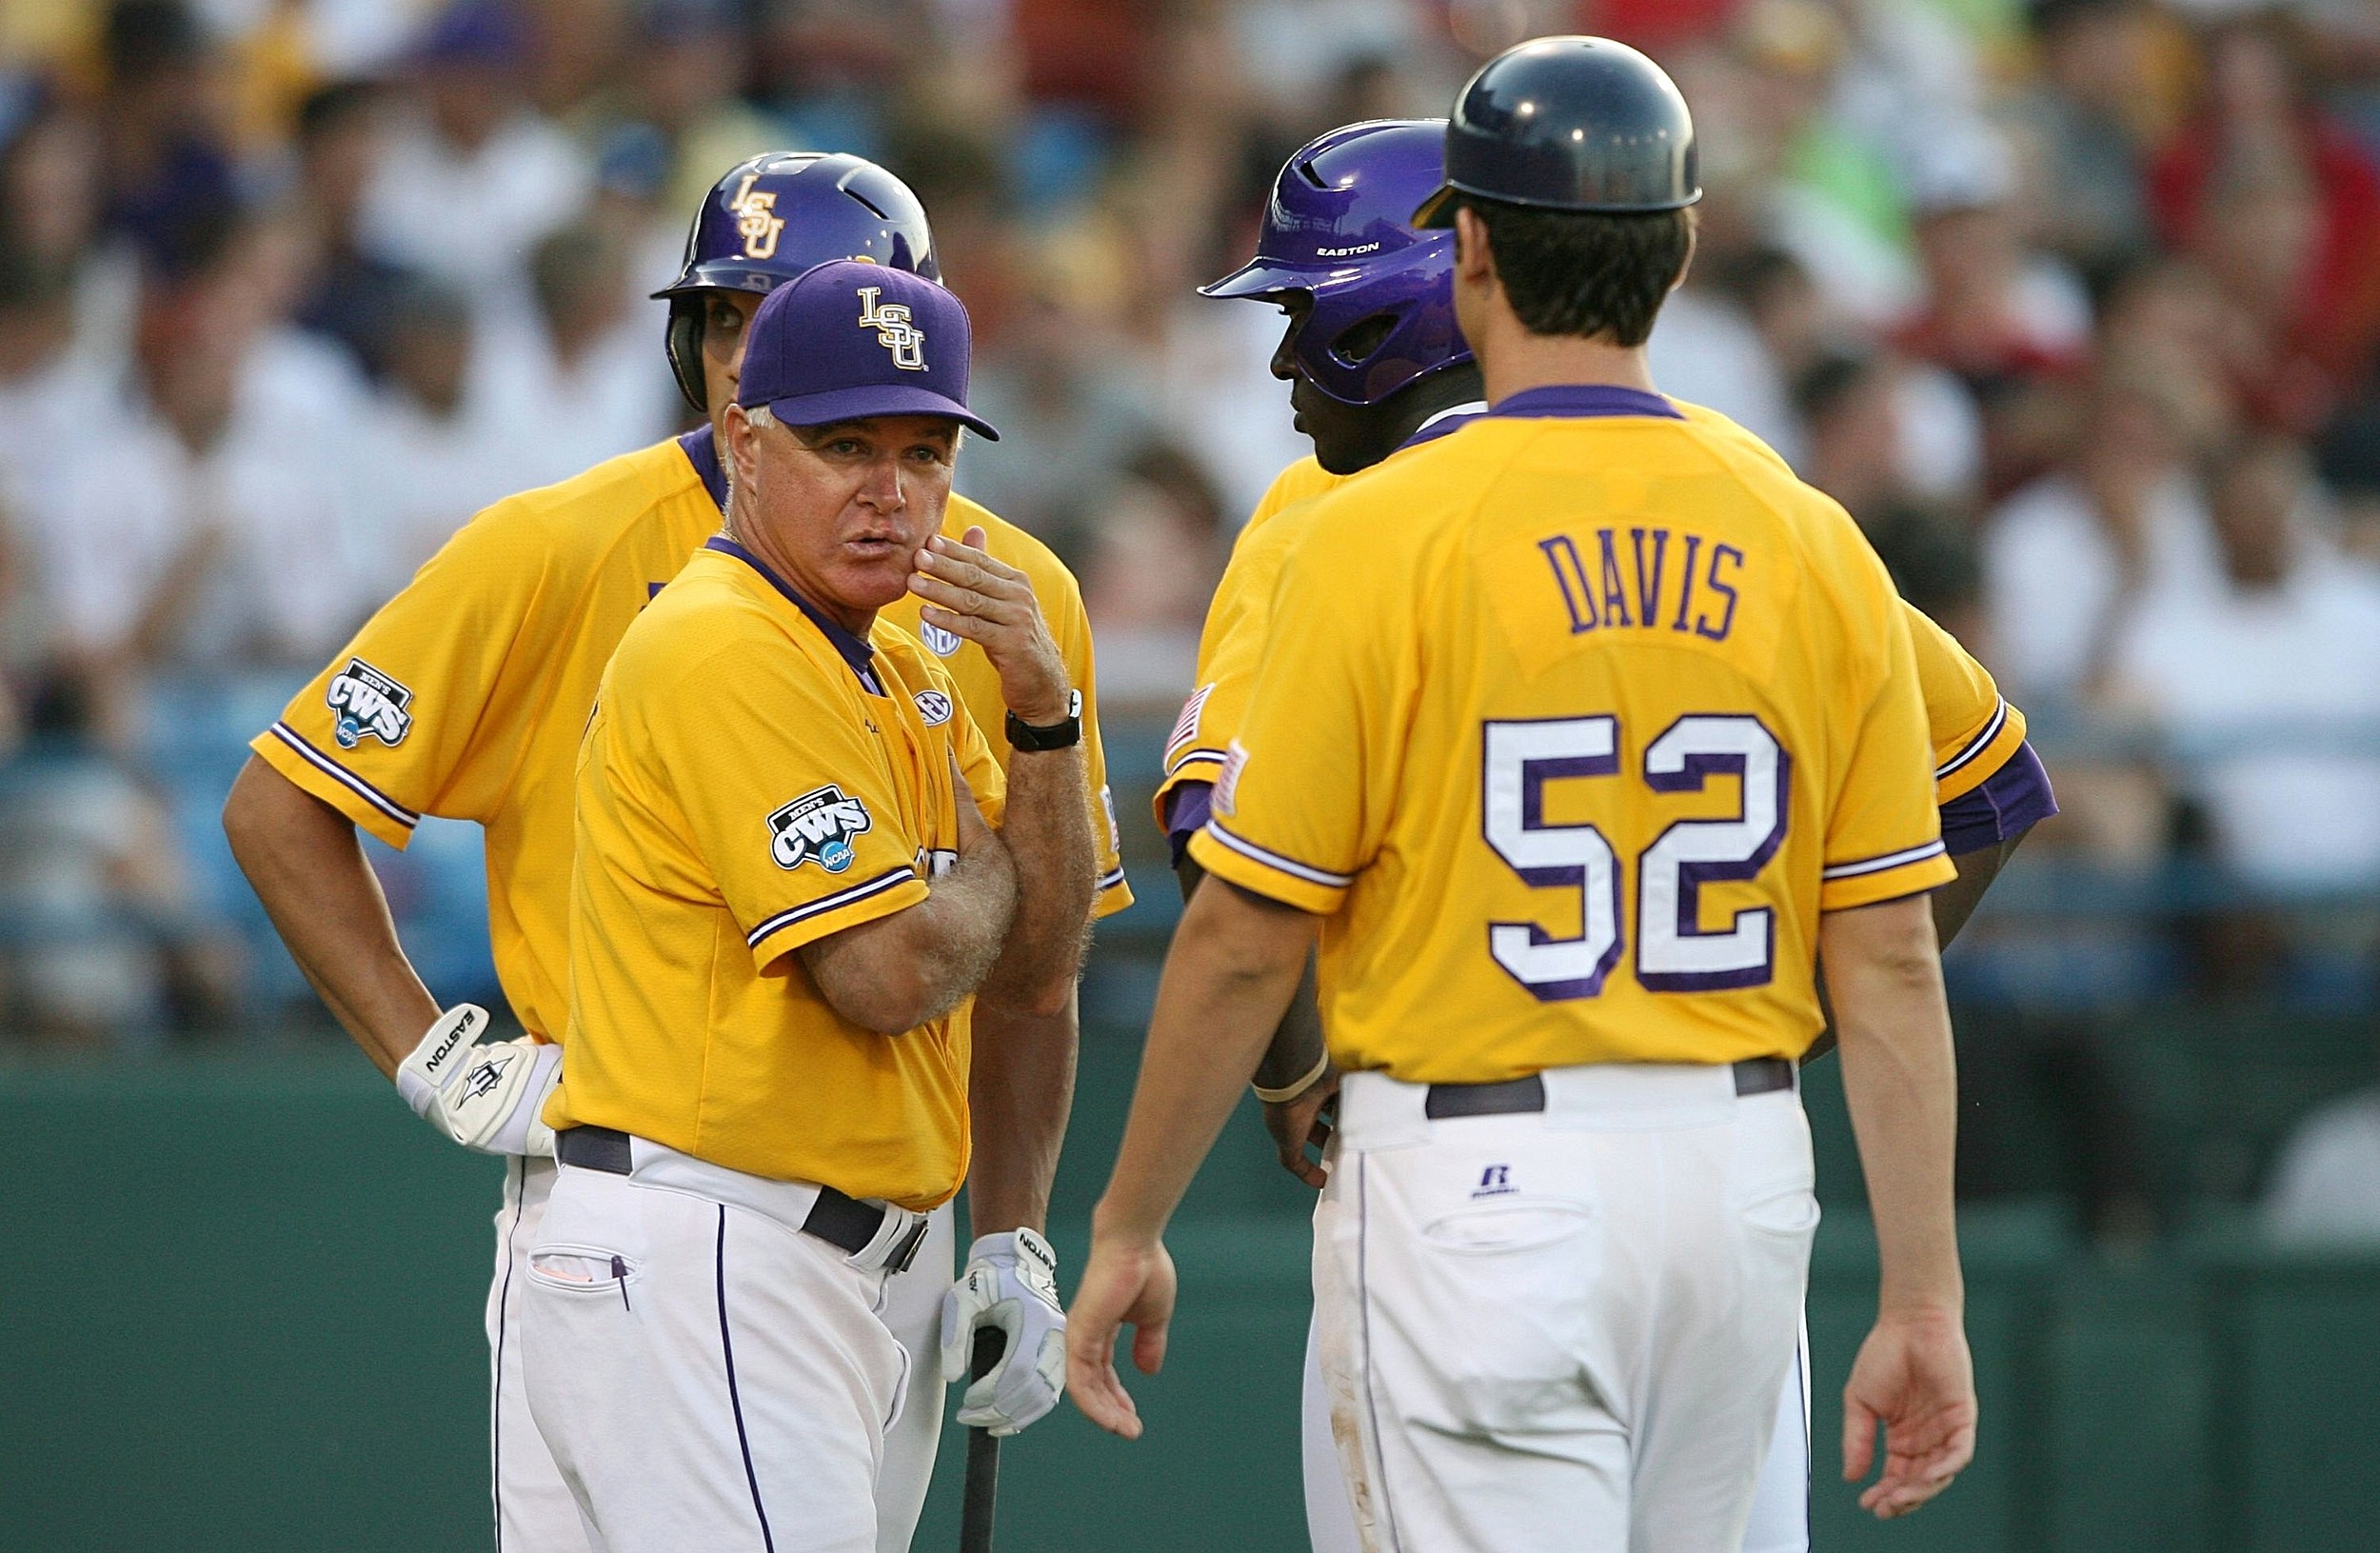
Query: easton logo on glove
{"type": "Point", "coordinates": [482, 1081]}
{"type": "Point", "coordinates": [464, 1031]}
{"type": "Point", "coordinates": [818, 828]}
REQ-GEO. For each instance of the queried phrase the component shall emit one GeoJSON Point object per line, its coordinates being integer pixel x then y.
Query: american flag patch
{"type": "Point", "coordinates": [1227, 786]}
{"type": "Point", "coordinates": [1186, 725]}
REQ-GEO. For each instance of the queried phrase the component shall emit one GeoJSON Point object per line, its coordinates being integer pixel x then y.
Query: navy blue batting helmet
{"type": "Point", "coordinates": [1569, 123]}
{"type": "Point", "coordinates": [1337, 228]}
{"type": "Point", "coordinates": [778, 214]}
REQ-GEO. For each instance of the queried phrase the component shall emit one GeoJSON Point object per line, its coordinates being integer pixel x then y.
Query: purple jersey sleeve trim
{"type": "Point", "coordinates": [1187, 809]}
{"type": "Point", "coordinates": [2010, 801]}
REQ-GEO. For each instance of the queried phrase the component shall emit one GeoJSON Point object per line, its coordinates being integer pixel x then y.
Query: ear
{"type": "Point", "coordinates": [1694, 242]}
{"type": "Point", "coordinates": [743, 441]}
{"type": "Point", "coordinates": [1474, 262]}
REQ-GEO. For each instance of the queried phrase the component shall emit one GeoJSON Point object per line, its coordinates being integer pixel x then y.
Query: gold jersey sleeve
{"type": "Point", "coordinates": [1230, 643]}
{"type": "Point", "coordinates": [1572, 728]}
{"type": "Point", "coordinates": [746, 788]}
{"type": "Point", "coordinates": [464, 695]}
{"type": "Point", "coordinates": [1060, 598]}
{"type": "Point", "coordinates": [1975, 732]}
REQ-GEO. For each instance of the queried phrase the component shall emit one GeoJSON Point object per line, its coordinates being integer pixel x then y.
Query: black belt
{"type": "Point", "coordinates": [836, 1218]}
{"type": "Point", "coordinates": [1753, 1076]}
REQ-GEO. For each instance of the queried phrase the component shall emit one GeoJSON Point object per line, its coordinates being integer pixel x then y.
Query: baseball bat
{"type": "Point", "coordinates": [975, 1518]}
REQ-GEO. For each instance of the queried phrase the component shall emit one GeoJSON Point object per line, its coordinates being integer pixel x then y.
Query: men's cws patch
{"type": "Point", "coordinates": [818, 826]}
{"type": "Point", "coordinates": [1569, 724]}
{"type": "Point", "coordinates": [369, 705]}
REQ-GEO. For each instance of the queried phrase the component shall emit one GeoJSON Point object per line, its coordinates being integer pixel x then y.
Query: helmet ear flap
{"type": "Point", "coordinates": [684, 344]}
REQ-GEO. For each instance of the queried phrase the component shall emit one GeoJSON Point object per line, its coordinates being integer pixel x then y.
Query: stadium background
{"type": "Point", "coordinates": [2073, 303]}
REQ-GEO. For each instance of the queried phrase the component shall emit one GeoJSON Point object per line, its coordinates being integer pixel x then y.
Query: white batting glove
{"type": "Point", "coordinates": [1010, 1286]}
{"type": "Point", "coordinates": [484, 1097]}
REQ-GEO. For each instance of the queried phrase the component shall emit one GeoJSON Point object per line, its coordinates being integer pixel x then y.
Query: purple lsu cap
{"type": "Point", "coordinates": [849, 340]}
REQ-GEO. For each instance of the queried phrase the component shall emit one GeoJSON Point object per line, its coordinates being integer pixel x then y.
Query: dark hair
{"type": "Point", "coordinates": [1585, 272]}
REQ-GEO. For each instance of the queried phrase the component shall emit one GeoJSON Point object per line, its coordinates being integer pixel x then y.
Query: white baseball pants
{"type": "Point", "coordinates": [730, 1333]}
{"type": "Point", "coordinates": [1569, 1328]}
{"type": "Point", "coordinates": [1780, 1501]}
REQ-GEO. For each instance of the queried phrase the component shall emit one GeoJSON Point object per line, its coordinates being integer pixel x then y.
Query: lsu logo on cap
{"type": "Point", "coordinates": [370, 705]}
{"type": "Point", "coordinates": [757, 220]}
{"type": "Point", "coordinates": [817, 827]}
{"type": "Point", "coordinates": [934, 707]}
{"type": "Point", "coordinates": [893, 329]}
{"type": "Point", "coordinates": [943, 643]}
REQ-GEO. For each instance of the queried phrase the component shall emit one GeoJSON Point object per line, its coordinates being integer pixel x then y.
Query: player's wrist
{"type": "Point", "coordinates": [442, 1052]}
{"type": "Point", "coordinates": [1125, 1229]}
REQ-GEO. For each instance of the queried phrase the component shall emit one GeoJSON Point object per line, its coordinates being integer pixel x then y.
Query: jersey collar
{"type": "Point", "coordinates": [1452, 418]}
{"type": "Point", "coordinates": [855, 652]}
{"type": "Point", "coordinates": [1583, 401]}
{"type": "Point", "coordinates": [702, 451]}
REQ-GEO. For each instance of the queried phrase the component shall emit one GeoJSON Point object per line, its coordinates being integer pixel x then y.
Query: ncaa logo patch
{"type": "Point", "coordinates": [934, 707]}
{"type": "Point", "coordinates": [817, 827]}
{"type": "Point", "coordinates": [369, 705]}
{"type": "Point", "coordinates": [893, 329]}
{"type": "Point", "coordinates": [943, 643]}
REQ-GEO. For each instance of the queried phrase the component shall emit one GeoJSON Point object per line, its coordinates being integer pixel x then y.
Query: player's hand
{"type": "Point", "coordinates": [1295, 1123]}
{"type": "Point", "coordinates": [484, 1097]}
{"type": "Point", "coordinates": [1914, 1375]}
{"type": "Point", "coordinates": [1011, 1287]}
{"type": "Point", "coordinates": [1121, 1284]}
{"type": "Point", "coordinates": [991, 602]}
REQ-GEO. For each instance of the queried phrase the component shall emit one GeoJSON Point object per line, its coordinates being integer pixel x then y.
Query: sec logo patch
{"type": "Point", "coordinates": [943, 643]}
{"type": "Point", "coordinates": [934, 707]}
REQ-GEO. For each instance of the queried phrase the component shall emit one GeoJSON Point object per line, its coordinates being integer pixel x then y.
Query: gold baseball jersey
{"type": "Point", "coordinates": [1975, 732]}
{"type": "Point", "coordinates": [1571, 723]}
{"type": "Point", "coordinates": [754, 778]}
{"type": "Point", "coordinates": [466, 694]}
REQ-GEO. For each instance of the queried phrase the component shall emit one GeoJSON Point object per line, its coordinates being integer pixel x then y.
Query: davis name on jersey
{"type": "Point", "coordinates": [1599, 593]}
{"type": "Point", "coordinates": [817, 827]}
{"type": "Point", "coordinates": [369, 705]}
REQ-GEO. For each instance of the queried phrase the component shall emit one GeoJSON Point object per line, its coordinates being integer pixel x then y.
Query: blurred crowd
{"type": "Point", "coordinates": [2074, 303]}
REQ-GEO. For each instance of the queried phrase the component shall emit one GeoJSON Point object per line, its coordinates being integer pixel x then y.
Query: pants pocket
{"type": "Point", "coordinates": [583, 1269]}
{"type": "Point", "coordinates": [1503, 1294]}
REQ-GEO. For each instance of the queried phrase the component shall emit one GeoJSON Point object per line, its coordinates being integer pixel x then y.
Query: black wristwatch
{"type": "Point", "coordinates": [1059, 735]}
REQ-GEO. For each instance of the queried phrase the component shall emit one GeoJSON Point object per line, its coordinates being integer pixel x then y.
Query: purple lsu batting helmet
{"type": "Point", "coordinates": [778, 214]}
{"type": "Point", "coordinates": [1339, 228]}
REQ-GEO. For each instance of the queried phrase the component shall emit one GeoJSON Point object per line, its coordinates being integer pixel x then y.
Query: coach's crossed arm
{"type": "Point", "coordinates": [1020, 1084]}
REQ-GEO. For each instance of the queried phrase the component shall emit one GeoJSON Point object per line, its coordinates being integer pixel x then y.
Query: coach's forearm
{"type": "Point", "coordinates": [1885, 972]}
{"type": "Point", "coordinates": [1048, 833]}
{"type": "Point", "coordinates": [1233, 965]}
{"type": "Point", "coordinates": [1021, 1089]}
{"type": "Point", "coordinates": [898, 972]}
{"type": "Point", "coordinates": [302, 859]}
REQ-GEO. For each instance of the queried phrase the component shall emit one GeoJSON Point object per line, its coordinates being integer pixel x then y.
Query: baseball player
{"type": "Point", "coordinates": [466, 696]}
{"type": "Point", "coordinates": [1556, 1265]}
{"type": "Point", "coordinates": [1412, 381]}
{"type": "Point", "coordinates": [782, 902]}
